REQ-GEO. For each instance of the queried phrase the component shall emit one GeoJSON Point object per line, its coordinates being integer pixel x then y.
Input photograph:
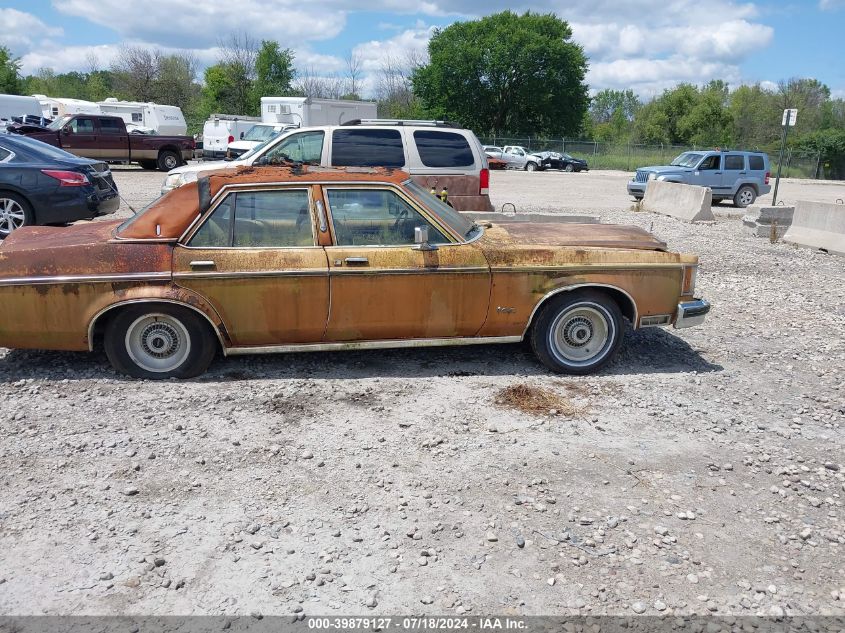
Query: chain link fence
{"type": "Point", "coordinates": [630, 156]}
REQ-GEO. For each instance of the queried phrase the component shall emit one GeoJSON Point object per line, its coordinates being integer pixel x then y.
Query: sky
{"type": "Point", "coordinates": [645, 45]}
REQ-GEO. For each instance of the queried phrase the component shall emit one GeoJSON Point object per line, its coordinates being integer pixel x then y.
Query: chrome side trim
{"type": "Point", "coordinates": [82, 279]}
{"type": "Point", "coordinates": [149, 300]}
{"type": "Point", "coordinates": [557, 291]}
{"type": "Point", "coordinates": [250, 274]}
{"type": "Point", "coordinates": [691, 313]}
{"type": "Point", "coordinates": [385, 344]}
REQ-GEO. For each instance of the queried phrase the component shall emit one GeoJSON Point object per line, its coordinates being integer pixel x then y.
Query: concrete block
{"type": "Point", "coordinates": [685, 202]}
{"type": "Point", "coordinates": [759, 219]}
{"type": "Point", "coordinates": [818, 225]}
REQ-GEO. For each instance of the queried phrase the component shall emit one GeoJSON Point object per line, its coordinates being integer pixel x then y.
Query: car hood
{"type": "Point", "coordinates": [80, 249]}
{"type": "Point", "coordinates": [209, 166]}
{"type": "Point", "coordinates": [663, 169]}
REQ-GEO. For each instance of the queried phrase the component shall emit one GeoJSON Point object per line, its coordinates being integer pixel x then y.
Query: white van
{"type": "Point", "coordinates": [437, 154]}
{"type": "Point", "coordinates": [306, 112]}
{"type": "Point", "coordinates": [166, 120]}
{"type": "Point", "coordinates": [53, 108]}
{"type": "Point", "coordinates": [17, 106]}
{"type": "Point", "coordinates": [222, 129]}
{"type": "Point", "coordinates": [257, 134]}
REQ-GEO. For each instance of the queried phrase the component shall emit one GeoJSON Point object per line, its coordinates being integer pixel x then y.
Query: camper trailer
{"type": "Point", "coordinates": [12, 106]}
{"type": "Point", "coordinates": [147, 117]}
{"type": "Point", "coordinates": [222, 129]}
{"type": "Point", "coordinates": [53, 108]}
{"type": "Point", "coordinates": [304, 111]}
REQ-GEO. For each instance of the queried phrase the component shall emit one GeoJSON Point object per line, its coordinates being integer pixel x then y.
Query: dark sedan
{"type": "Point", "coordinates": [566, 162]}
{"type": "Point", "coordinates": [41, 184]}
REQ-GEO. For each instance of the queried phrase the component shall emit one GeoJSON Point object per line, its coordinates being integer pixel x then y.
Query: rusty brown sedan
{"type": "Point", "coordinates": [279, 259]}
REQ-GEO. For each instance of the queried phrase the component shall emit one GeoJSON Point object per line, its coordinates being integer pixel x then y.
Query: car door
{"type": "Point", "coordinates": [708, 173]}
{"type": "Point", "coordinates": [383, 287]}
{"type": "Point", "coordinates": [113, 140]}
{"type": "Point", "coordinates": [79, 137]}
{"type": "Point", "coordinates": [255, 259]}
{"type": "Point", "coordinates": [733, 171]}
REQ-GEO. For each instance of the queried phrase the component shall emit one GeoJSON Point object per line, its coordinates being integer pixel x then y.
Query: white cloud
{"type": "Point", "coordinates": [21, 32]}
{"type": "Point", "coordinates": [409, 44]}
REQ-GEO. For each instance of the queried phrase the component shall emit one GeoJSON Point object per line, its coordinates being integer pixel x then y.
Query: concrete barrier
{"type": "Point", "coordinates": [818, 225]}
{"type": "Point", "coordinates": [685, 202]}
{"type": "Point", "coordinates": [759, 220]}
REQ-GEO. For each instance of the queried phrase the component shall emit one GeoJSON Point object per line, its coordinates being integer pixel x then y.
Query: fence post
{"type": "Point", "coordinates": [628, 163]}
{"type": "Point", "coordinates": [818, 164]}
{"type": "Point", "coordinates": [595, 147]}
{"type": "Point", "coordinates": [788, 160]}
{"type": "Point", "coordinates": [564, 143]}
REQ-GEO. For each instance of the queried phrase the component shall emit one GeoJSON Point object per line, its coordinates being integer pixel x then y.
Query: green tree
{"type": "Point", "coordinates": [756, 117]}
{"type": "Point", "coordinates": [506, 73]}
{"type": "Point", "coordinates": [274, 73]}
{"type": "Point", "coordinates": [175, 82]}
{"type": "Point", "coordinates": [10, 72]}
{"type": "Point", "coordinates": [612, 113]}
{"type": "Point", "coordinates": [708, 121]}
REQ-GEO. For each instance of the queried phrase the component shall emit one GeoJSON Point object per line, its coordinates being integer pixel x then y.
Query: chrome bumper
{"type": "Point", "coordinates": [691, 313]}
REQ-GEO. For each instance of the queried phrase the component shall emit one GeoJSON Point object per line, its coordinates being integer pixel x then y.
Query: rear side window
{"type": "Point", "coordinates": [111, 126]}
{"type": "Point", "coordinates": [755, 163]}
{"type": "Point", "coordinates": [443, 149]}
{"type": "Point", "coordinates": [734, 162]}
{"type": "Point", "coordinates": [367, 148]}
{"type": "Point", "coordinates": [4, 154]}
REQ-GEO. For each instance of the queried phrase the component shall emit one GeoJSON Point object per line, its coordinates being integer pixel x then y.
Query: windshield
{"type": "Point", "coordinates": [457, 222]}
{"type": "Point", "coordinates": [687, 159]}
{"type": "Point", "coordinates": [260, 133]}
{"type": "Point", "coordinates": [59, 123]}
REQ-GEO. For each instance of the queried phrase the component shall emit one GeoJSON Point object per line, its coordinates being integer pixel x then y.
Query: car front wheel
{"type": "Point", "coordinates": [530, 166]}
{"type": "Point", "coordinates": [569, 167]}
{"type": "Point", "coordinates": [745, 196]}
{"type": "Point", "coordinates": [577, 332]}
{"type": "Point", "coordinates": [159, 341]}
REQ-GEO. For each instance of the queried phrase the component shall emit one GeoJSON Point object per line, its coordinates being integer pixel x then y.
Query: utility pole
{"type": "Point", "coordinates": [790, 116]}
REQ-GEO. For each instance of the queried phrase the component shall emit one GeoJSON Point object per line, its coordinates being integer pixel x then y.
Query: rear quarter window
{"type": "Point", "coordinates": [755, 163]}
{"type": "Point", "coordinates": [443, 149]}
{"type": "Point", "coordinates": [367, 148]}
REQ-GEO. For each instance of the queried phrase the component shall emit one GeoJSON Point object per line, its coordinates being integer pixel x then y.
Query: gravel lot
{"type": "Point", "coordinates": [702, 472]}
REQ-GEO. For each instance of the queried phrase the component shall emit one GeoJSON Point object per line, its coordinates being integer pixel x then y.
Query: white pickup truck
{"type": "Point", "coordinates": [524, 159]}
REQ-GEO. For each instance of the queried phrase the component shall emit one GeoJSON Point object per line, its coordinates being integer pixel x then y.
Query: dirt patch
{"type": "Point", "coordinates": [537, 401]}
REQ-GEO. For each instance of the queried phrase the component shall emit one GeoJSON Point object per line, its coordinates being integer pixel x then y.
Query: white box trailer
{"type": "Point", "coordinates": [53, 108]}
{"type": "Point", "coordinates": [166, 120]}
{"type": "Point", "coordinates": [304, 111]}
{"type": "Point", "coordinates": [222, 129]}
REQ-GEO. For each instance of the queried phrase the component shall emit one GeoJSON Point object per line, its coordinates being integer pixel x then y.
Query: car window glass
{"type": "Point", "coordinates": [367, 148]}
{"type": "Point", "coordinates": [305, 147]}
{"type": "Point", "coordinates": [755, 163]}
{"type": "Point", "coordinates": [710, 163]}
{"type": "Point", "coordinates": [734, 162]}
{"type": "Point", "coordinates": [82, 126]}
{"type": "Point", "coordinates": [216, 232]}
{"type": "Point", "coordinates": [4, 154]}
{"type": "Point", "coordinates": [443, 149]}
{"type": "Point", "coordinates": [373, 217]}
{"type": "Point", "coordinates": [111, 126]}
{"type": "Point", "coordinates": [273, 219]}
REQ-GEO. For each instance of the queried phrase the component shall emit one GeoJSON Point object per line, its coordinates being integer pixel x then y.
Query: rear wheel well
{"type": "Point", "coordinates": [622, 299]}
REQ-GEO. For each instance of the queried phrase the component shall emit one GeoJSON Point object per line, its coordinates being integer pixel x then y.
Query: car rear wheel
{"type": "Point", "coordinates": [569, 167]}
{"type": "Point", "coordinates": [168, 160]}
{"type": "Point", "coordinates": [15, 212]}
{"type": "Point", "coordinates": [530, 166]}
{"type": "Point", "coordinates": [745, 196]}
{"type": "Point", "coordinates": [159, 342]}
{"type": "Point", "coordinates": [577, 332]}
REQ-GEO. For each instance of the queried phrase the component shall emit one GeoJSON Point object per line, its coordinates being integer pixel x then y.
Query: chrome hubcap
{"type": "Point", "coordinates": [169, 162]}
{"type": "Point", "coordinates": [158, 342]}
{"type": "Point", "coordinates": [11, 216]}
{"type": "Point", "coordinates": [581, 335]}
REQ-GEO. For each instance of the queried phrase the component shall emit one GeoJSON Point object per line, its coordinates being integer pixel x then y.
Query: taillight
{"type": "Point", "coordinates": [767, 177]}
{"type": "Point", "coordinates": [67, 178]}
{"type": "Point", "coordinates": [484, 188]}
{"type": "Point", "coordinates": [231, 139]}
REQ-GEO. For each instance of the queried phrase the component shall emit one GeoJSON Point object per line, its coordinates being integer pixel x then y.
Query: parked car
{"type": "Point", "coordinates": [730, 175]}
{"type": "Point", "coordinates": [283, 259]}
{"type": "Point", "coordinates": [437, 154]}
{"type": "Point", "coordinates": [255, 136]}
{"type": "Point", "coordinates": [41, 184]}
{"type": "Point", "coordinates": [524, 158]}
{"type": "Point", "coordinates": [557, 160]}
{"type": "Point", "coordinates": [510, 161]}
{"type": "Point", "coordinates": [106, 138]}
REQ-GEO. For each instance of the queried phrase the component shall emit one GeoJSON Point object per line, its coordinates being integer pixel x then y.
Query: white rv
{"type": "Point", "coordinates": [222, 129]}
{"type": "Point", "coordinates": [54, 108]}
{"type": "Point", "coordinates": [166, 120]}
{"type": "Point", "coordinates": [17, 106]}
{"type": "Point", "coordinates": [305, 112]}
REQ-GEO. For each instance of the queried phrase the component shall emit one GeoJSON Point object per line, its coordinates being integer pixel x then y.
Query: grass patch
{"type": "Point", "coordinates": [537, 401]}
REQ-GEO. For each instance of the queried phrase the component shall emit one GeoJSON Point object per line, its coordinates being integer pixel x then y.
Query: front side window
{"type": "Point", "coordinates": [262, 219]}
{"type": "Point", "coordinates": [376, 217]}
{"type": "Point", "coordinates": [443, 149]}
{"type": "Point", "coordinates": [710, 163]}
{"type": "Point", "coordinates": [82, 126]}
{"type": "Point", "coordinates": [734, 162]}
{"type": "Point", "coordinates": [367, 148]}
{"type": "Point", "coordinates": [305, 147]}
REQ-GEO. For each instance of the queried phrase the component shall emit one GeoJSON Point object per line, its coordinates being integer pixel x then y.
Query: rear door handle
{"type": "Point", "coordinates": [357, 260]}
{"type": "Point", "coordinates": [202, 263]}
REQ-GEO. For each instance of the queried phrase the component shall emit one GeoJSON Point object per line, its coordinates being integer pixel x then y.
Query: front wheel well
{"type": "Point", "coordinates": [620, 297]}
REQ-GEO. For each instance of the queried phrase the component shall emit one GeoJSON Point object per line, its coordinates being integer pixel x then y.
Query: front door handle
{"type": "Point", "coordinates": [202, 264]}
{"type": "Point", "coordinates": [357, 260]}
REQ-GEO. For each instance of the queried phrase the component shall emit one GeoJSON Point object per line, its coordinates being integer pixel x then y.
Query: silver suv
{"type": "Point", "coordinates": [730, 175]}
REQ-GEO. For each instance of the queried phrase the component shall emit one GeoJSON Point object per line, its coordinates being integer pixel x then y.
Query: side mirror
{"type": "Point", "coordinates": [421, 239]}
{"type": "Point", "coordinates": [66, 129]}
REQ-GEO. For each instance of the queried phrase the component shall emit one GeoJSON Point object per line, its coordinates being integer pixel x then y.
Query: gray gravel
{"type": "Point", "coordinates": [704, 473]}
